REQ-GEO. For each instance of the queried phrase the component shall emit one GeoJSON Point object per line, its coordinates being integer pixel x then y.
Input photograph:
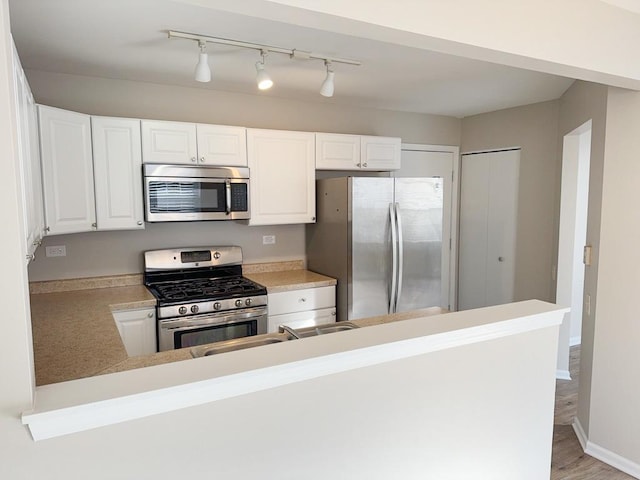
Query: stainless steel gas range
{"type": "Point", "coordinates": [202, 296]}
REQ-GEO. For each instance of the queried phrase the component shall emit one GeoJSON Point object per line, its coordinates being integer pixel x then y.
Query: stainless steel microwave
{"type": "Point", "coordinates": [186, 193]}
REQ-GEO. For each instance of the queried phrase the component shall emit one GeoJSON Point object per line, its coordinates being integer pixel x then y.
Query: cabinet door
{"type": "Point", "coordinates": [221, 145]}
{"type": "Point", "coordinates": [117, 163]}
{"type": "Point", "coordinates": [380, 153]}
{"type": "Point", "coordinates": [282, 166]}
{"type": "Point", "coordinates": [308, 318]}
{"type": "Point", "coordinates": [337, 152]}
{"type": "Point", "coordinates": [138, 330]}
{"type": "Point", "coordinates": [67, 171]}
{"type": "Point", "coordinates": [37, 219]}
{"type": "Point", "coordinates": [168, 142]}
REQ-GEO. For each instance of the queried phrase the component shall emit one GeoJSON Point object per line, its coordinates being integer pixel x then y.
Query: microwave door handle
{"type": "Point", "coordinates": [228, 196]}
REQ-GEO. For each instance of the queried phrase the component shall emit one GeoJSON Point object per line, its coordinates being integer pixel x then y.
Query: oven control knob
{"type": "Point", "coordinates": [194, 308]}
{"type": "Point", "coordinates": [182, 310]}
{"type": "Point", "coordinates": [217, 306]}
{"type": "Point", "coordinates": [247, 302]}
{"type": "Point", "coordinates": [238, 303]}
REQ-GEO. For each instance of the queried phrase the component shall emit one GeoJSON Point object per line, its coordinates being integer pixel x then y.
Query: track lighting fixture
{"type": "Point", "coordinates": [326, 90]}
{"type": "Point", "coordinates": [262, 78]}
{"type": "Point", "coordinates": [203, 72]}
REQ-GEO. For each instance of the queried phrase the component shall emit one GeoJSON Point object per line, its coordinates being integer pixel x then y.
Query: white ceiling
{"type": "Point", "coordinates": [127, 39]}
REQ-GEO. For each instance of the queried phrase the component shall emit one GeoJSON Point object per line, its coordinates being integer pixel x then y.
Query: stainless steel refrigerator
{"type": "Point", "coordinates": [382, 239]}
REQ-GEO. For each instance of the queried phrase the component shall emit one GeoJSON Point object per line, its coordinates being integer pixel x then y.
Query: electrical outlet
{"type": "Point", "coordinates": [56, 251]}
{"type": "Point", "coordinates": [268, 239]}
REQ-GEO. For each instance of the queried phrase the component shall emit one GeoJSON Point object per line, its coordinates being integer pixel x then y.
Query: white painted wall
{"type": "Point", "coordinates": [534, 128]}
{"type": "Point", "coordinates": [107, 253]}
{"type": "Point", "coordinates": [533, 34]}
{"type": "Point", "coordinates": [581, 103]}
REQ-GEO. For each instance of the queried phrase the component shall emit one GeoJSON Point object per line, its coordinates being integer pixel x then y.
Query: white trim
{"type": "Point", "coordinates": [607, 456]}
{"type": "Point", "coordinates": [455, 202]}
{"type": "Point", "coordinates": [563, 375]}
{"type": "Point", "coordinates": [85, 404]}
{"type": "Point", "coordinates": [573, 341]}
{"type": "Point", "coordinates": [579, 431]}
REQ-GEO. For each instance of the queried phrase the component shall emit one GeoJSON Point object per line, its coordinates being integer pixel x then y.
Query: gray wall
{"type": "Point", "coordinates": [535, 129]}
{"type": "Point", "coordinates": [581, 102]}
{"type": "Point", "coordinates": [107, 253]}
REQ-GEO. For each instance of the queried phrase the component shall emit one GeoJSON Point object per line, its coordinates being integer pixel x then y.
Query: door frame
{"type": "Point", "coordinates": [455, 197]}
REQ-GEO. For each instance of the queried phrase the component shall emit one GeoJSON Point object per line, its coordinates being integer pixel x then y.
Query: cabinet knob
{"type": "Point", "coordinates": [150, 314]}
{"type": "Point", "coordinates": [501, 259]}
{"type": "Point", "coordinates": [201, 159]}
{"type": "Point", "coordinates": [31, 257]}
{"type": "Point", "coordinates": [139, 222]}
{"type": "Point", "coordinates": [313, 219]}
{"type": "Point", "coordinates": [302, 300]}
{"type": "Point", "coordinates": [364, 165]}
{"type": "Point", "coordinates": [194, 159]}
{"type": "Point", "coordinates": [358, 165]}
{"type": "Point", "coordinates": [94, 225]}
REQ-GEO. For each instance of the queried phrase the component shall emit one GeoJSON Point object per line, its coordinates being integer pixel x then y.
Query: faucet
{"type": "Point", "coordinates": [289, 330]}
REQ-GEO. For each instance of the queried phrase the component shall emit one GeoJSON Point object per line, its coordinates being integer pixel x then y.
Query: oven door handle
{"type": "Point", "coordinates": [197, 321]}
{"type": "Point", "coordinates": [228, 196]}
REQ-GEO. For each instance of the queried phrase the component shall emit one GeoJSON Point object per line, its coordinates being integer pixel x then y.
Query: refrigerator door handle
{"type": "Point", "coordinates": [394, 259]}
{"type": "Point", "coordinates": [400, 249]}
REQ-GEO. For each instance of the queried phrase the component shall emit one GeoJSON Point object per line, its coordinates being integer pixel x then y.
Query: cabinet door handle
{"type": "Point", "coordinates": [139, 222]}
{"type": "Point", "coordinates": [150, 314]}
{"type": "Point", "coordinates": [302, 300]}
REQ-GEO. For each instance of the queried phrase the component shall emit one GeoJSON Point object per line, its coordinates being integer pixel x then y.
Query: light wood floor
{"type": "Point", "coordinates": [569, 462]}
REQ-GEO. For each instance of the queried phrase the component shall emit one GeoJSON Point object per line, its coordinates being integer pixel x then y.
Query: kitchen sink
{"type": "Point", "coordinates": [323, 329]}
{"type": "Point", "coordinates": [285, 334]}
{"type": "Point", "coordinates": [239, 344]}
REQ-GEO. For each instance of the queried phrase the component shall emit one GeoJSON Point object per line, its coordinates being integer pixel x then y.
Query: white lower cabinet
{"type": "Point", "coordinates": [302, 308]}
{"type": "Point", "coordinates": [137, 329]}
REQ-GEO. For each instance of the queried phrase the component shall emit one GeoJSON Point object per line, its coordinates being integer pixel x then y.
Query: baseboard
{"type": "Point", "coordinates": [582, 437]}
{"type": "Point", "coordinates": [573, 341]}
{"type": "Point", "coordinates": [563, 375]}
{"type": "Point", "coordinates": [610, 458]}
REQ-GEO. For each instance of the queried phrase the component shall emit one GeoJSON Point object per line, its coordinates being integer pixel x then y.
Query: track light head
{"type": "Point", "coordinates": [203, 72]}
{"type": "Point", "coordinates": [327, 88]}
{"type": "Point", "coordinates": [262, 78]}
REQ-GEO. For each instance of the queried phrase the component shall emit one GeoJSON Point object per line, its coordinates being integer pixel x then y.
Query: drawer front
{"type": "Point", "coordinates": [301, 300]}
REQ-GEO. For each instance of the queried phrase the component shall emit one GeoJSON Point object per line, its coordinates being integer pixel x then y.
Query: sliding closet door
{"type": "Point", "coordinates": [488, 226]}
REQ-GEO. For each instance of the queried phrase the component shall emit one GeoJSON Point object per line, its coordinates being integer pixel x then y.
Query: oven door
{"type": "Point", "coordinates": [171, 199]}
{"type": "Point", "coordinates": [210, 328]}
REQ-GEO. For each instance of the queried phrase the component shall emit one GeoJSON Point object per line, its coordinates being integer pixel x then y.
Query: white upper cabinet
{"type": "Point", "coordinates": [221, 145]}
{"type": "Point", "coordinates": [169, 142]}
{"type": "Point", "coordinates": [380, 153]}
{"type": "Point", "coordinates": [337, 152]}
{"type": "Point", "coordinates": [29, 158]}
{"type": "Point", "coordinates": [117, 164]}
{"type": "Point", "coordinates": [282, 165]}
{"type": "Point", "coordinates": [67, 171]}
{"type": "Point", "coordinates": [356, 152]}
{"type": "Point", "coordinates": [190, 143]}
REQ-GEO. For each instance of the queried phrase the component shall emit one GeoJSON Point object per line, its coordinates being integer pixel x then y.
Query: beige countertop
{"type": "Point", "coordinates": [290, 280]}
{"type": "Point", "coordinates": [75, 335]}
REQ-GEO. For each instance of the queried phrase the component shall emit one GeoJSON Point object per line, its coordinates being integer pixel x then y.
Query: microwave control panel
{"type": "Point", "coordinates": [239, 200]}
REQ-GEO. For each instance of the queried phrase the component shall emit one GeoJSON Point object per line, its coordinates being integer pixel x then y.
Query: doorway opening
{"type": "Point", "coordinates": [574, 198]}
